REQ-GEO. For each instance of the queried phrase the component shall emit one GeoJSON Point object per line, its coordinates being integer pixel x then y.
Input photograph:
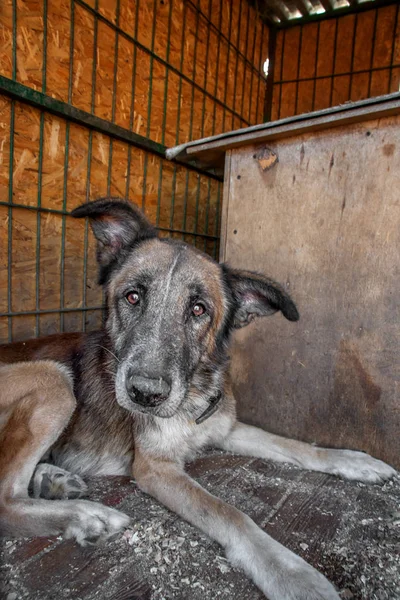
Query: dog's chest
{"type": "Point", "coordinates": [180, 439]}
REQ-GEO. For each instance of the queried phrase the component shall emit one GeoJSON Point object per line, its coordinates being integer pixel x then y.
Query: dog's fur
{"type": "Point", "coordinates": [137, 397]}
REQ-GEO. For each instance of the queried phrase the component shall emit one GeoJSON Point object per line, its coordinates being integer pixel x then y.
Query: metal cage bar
{"type": "Point", "coordinates": [151, 52]}
{"type": "Point", "coordinates": [353, 69]}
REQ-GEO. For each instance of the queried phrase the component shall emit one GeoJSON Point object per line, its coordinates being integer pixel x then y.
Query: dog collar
{"type": "Point", "coordinates": [211, 408]}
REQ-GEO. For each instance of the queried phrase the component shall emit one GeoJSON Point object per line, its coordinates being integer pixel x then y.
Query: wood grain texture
{"type": "Point", "coordinates": [324, 221]}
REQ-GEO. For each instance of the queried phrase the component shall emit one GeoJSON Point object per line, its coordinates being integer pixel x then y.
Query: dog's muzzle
{"type": "Point", "coordinates": [146, 391]}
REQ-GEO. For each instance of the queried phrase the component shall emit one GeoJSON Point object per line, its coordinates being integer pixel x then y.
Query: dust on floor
{"type": "Point", "coordinates": [347, 530]}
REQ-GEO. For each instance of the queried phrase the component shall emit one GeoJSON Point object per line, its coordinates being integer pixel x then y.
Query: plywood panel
{"type": "Point", "coordinates": [50, 269]}
{"type": "Point", "coordinates": [24, 235]}
{"type": "Point", "coordinates": [105, 53]}
{"type": "Point", "coordinates": [363, 48]}
{"type": "Point", "coordinates": [108, 8]}
{"type": "Point", "coordinates": [385, 32]}
{"type": "Point", "coordinates": [291, 50]}
{"type": "Point", "coordinates": [309, 46]}
{"type": "Point", "coordinates": [352, 57]}
{"type": "Point", "coordinates": [178, 33]}
{"type": "Point", "coordinates": [326, 47]}
{"type": "Point", "coordinates": [305, 96]}
{"type": "Point", "coordinates": [77, 175]}
{"type": "Point", "coordinates": [123, 92]}
{"type": "Point", "coordinates": [133, 63]}
{"type": "Point", "coordinates": [4, 219]}
{"type": "Point", "coordinates": [341, 89]}
{"type": "Point", "coordinates": [58, 48]}
{"type": "Point", "coordinates": [322, 93]}
{"type": "Point", "coordinates": [380, 82]}
{"type": "Point", "coordinates": [6, 44]}
{"type": "Point", "coordinates": [82, 76]}
{"type": "Point", "coordinates": [325, 222]}
{"type": "Point", "coordinates": [53, 162]}
{"type": "Point", "coordinates": [5, 123]}
{"type": "Point", "coordinates": [177, 16]}
{"type": "Point", "coordinates": [344, 44]}
{"type": "Point", "coordinates": [26, 154]}
{"type": "Point", "coordinates": [30, 43]}
{"type": "Point", "coordinates": [288, 100]}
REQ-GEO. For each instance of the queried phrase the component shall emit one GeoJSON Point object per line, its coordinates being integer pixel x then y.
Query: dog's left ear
{"type": "Point", "coordinates": [117, 226]}
{"type": "Point", "coordinates": [257, 296]}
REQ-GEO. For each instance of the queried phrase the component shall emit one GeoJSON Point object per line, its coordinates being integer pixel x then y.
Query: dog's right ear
{"type": "Point", "coordinates": [117, 226]}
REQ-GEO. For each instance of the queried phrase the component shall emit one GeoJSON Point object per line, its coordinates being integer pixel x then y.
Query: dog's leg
{"type": "Point", "coordinates": [36, 403]}
{"type": "Point", "coordinates": [278, 572]}
{"type": "Point", "coordinates": [349, 464]}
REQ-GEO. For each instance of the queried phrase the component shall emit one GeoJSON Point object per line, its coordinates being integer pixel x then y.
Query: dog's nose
{"type": "Point", "coordinates": [150, 387]}
{"type": "Point", "coordinates": [148, 391]}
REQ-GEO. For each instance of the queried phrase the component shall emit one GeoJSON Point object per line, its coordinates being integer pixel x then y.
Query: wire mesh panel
{"type": "Point", "coordinates": [91, 94]}
{"type": "Point", "coordinates": [326, 63]}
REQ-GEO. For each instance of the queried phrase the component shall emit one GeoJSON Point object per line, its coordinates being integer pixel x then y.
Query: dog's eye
{"type": "Point", "coordinates": [133, 298]}
{"type": "Point", "coordinates": [198, 309]}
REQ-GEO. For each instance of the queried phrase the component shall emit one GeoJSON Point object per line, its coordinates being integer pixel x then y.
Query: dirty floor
{"type": "Point", "coordinates": [349, 531]}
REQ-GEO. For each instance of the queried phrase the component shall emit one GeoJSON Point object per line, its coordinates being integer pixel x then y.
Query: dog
{"type": "Point", "coordinates": [143, 396]}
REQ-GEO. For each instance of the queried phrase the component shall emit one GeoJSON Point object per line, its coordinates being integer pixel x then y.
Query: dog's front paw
{"type": "Point", "coordinates": [305, 583]}
{"type": "Point", "coordinates": [53, 483]}
{"type": "Point", "coordinates": [93, 523]}
{"type": "Point", "coordinates": [351, 464]}
{"type": "Point", "coordinates": [278, 572]}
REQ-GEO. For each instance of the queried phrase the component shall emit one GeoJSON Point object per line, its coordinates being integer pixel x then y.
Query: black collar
{"type": "Point", "coordinates": [211, 408]}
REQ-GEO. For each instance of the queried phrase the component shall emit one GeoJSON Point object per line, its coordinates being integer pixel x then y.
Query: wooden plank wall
{"type": "Point", "coordinates": [325, 222]}
{"type": "Point", "coordinates": [169, 70]}
{"type": "Point", "coordinates": [330, 62]}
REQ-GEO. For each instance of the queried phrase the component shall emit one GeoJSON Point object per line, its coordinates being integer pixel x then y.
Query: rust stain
{"type": "Point", "coordinates": [371, 391]}
{"type": "Point", "coordinates": [302, 153]}
{"type": "Point", "coordinates": [388, 149]}
{"type": "Point", "coordinates": [267, 158]}
{"type": "Point", "coordinates": [356, 397]}
{"type": "Point", "coordinates": [343, 205]}
{"type": "Point", "coordinates": [331, 163]}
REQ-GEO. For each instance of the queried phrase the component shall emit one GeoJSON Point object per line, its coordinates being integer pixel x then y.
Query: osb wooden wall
{"type": "Point", "coordinates": [165, 69]}
{"type": "Point", "coordinates": [330, 62]}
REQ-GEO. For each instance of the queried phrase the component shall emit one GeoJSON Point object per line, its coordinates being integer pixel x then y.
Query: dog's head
{"type": "Point", "coordinates": [170, 309]}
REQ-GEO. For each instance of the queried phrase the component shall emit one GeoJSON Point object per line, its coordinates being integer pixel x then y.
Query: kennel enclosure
{"type": "Point", "coordinates": [92, 94]}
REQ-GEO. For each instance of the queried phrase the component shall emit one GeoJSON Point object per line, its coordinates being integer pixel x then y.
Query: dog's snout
{"type": "Point", "coordinates": [150, 387]}
{"type": "Point", "coordinates": [148, 391]}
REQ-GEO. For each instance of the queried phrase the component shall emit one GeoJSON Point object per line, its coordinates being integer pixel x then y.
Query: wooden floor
{"type": "Point", "coordinates": [349, 531]}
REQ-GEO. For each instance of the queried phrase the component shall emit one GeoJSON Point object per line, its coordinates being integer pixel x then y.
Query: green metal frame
{"type": "Point", "coordinates": [39, 100]}
{"type": "Point", "coordinates": [206, 180]}
{"type": "Point", "coordinates": [275, 76]}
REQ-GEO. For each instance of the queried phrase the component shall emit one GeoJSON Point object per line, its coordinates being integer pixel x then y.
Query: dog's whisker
{"type": "Point", "coordinates": [109, 351]}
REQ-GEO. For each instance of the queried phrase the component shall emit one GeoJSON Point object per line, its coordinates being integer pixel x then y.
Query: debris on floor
{"type": "Point", "coordinates": [347, 530]}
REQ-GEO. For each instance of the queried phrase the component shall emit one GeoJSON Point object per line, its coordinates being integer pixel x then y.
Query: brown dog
{"type": "Point", "coordinates": [150, 390]}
